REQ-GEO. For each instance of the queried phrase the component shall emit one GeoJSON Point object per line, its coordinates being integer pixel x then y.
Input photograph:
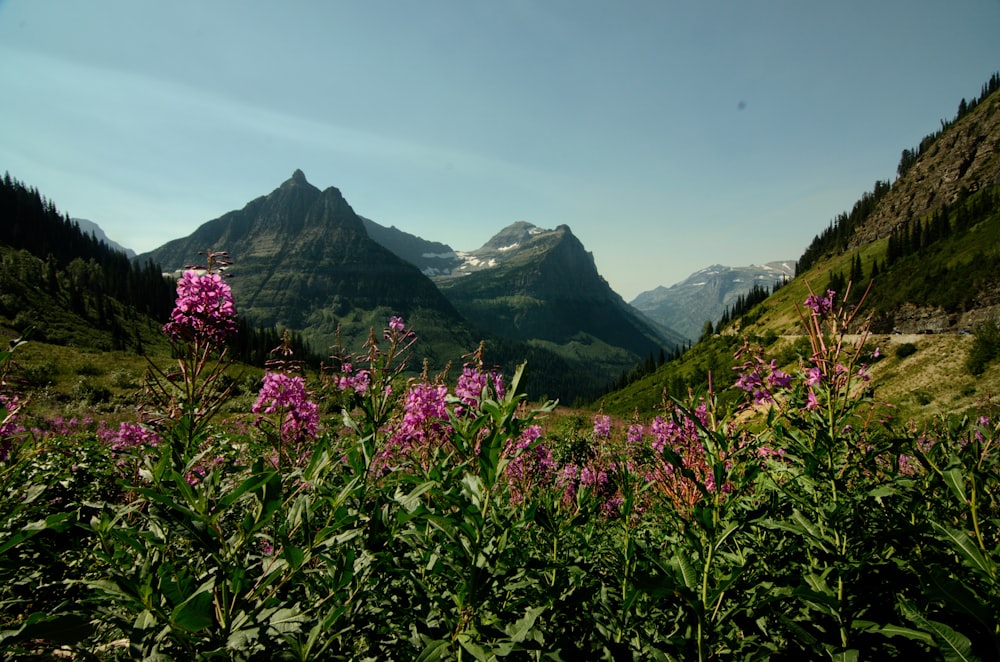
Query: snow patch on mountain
{"type": "Point", "coordinates": [704, 295]}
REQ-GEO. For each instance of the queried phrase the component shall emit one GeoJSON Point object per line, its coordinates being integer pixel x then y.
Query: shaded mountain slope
{"type": "Point", "coordinates": [302, 259]}
{"type": "Point", "coordinates": [542, 286]}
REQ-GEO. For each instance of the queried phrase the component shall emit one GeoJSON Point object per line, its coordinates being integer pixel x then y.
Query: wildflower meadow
{"type": "Point", "coordinates": [366, 513]}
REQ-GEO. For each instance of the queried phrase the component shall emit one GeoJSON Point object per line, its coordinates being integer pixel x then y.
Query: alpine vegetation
{"type": "Point", "coordinates": [374, 511]}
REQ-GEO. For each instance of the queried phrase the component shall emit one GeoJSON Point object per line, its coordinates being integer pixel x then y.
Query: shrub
{"type": "Point", "coordinates": [985, 347]}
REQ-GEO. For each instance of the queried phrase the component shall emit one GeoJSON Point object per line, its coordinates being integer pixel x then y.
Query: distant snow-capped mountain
{"type": "Point", "coordinates": [704, 295]}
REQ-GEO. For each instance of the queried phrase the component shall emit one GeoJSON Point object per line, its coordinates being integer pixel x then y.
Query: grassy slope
{"type": "Point", "coordinates": [932, 381]}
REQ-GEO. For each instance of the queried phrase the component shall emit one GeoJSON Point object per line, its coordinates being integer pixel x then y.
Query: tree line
{"type": "Point", "coordinates": [54, 261]}
{"type": "Point", "coordinates": [909, 156]}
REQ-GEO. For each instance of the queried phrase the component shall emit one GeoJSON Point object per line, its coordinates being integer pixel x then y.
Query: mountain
{"type": "Point", "coordinates": [303, 260]}
{"type": "Point", "coordinates": [705, 295]}
{"type": "Point", "coordinates": [431, 257]}
{"type": "Point", "coordinates": [95, 230]}
{"type": "Point", "coordinates": [542, 287]}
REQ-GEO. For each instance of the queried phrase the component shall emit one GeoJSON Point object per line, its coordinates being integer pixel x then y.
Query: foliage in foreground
{"type": "Point", "coordinates": [428, 521]}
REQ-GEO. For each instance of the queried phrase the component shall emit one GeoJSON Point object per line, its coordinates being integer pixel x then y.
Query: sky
{"type": "Point", "coordinates": [669, 135]}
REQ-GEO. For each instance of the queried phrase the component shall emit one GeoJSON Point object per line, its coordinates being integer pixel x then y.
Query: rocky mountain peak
{"type": "Point", "coordinates": [513, 235]}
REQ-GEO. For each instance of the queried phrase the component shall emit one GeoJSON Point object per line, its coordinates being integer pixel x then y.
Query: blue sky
{"type": "Point", "coordinates": [668, 134]}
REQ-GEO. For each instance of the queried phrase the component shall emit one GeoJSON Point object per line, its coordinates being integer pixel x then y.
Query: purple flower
{"type": "Point", "coordinates": [664, 432]}
{"type": "Point", "coordinates": [471, 385]}
{"type": "Point", "coordinates": [424, 412]}
{"type": "Point", "coordinates": [634, 435]}
{"type": "Point", "coordinates": [287, 394]}
{"type": "Point", "coordinates": [602, 426]}
{"type": "Point", "coordinates": [813, 376]}
{"type": "Point", "coordinates": [531, 462]}
{"type": "Point", "coordinates": [777, 378]}
{"type": "Point", "coordinates": [821, 305]}
{"type": "Point", "coordinates": [204, 309]}
{"type": "Point", "coordinates": [396, 324]}
{"type": "Point", "coordinates": [349, 380]}
{"type": "Point", "coordinates": [567, 481]}
{"type": "Point", "coordinates": [749, 381]}
{"type": "Point", "coordinates": [612, 507]}
{"type": "Point", "coordinates": [128, 435]}
{"type": "Point", "coordinates": [811, 401]}
{"type": "Point", "coordinates": [469, 388]}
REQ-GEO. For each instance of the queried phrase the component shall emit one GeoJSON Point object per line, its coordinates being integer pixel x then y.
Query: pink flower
{"type": "Point", "coordinates": [287, 394]}
{"type": "Point", "coordinates": [777, 378]}
{"type": "Point", "coordinates": [424, 413]}
{"type": "Point", "coordinates": [128, 435]}
{"type": "Point", "coordinates": [396, 323]}
{"type": "Point", "coordinates": [602, 426]}
{"type": "Point", "coordinates": [471, 385]}
{"type": "Point", "coordinates": [634, 435]}
{"type": "Point", "coordinates": [204, 309]}
{"type": "Point", "coordinates": [821, 305]}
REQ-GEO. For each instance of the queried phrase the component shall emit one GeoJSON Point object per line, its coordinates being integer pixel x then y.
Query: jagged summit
{"type": "Point", "coordinates": [543, 286]}
{"type": "Point", "coordinates": [302, 259]}
{"type": "Point", "coordinates": [520, 243]}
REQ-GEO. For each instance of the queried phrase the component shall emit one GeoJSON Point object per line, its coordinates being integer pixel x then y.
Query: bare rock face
{"type": "Point", "coordinates": [962, 160]}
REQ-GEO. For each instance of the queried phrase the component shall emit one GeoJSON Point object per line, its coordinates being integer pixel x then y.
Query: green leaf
{"type": "Point", "coordinates": [55, 521]}
{"type": "Point", "coordinates": [196, 612]}
{"type": "Point", "coordinates": [294, 556]}
{"type": "Point", "coordinates": [523, 626]}
{"type": "Point", "coordinates": [687, 571]}
{"type": "Point", "coordinates": [411, 501]}
{"type": "Point", "coordinates": [287, 619]}
{"type": "Point", "coordinates": [251, 484]}
{"type": "Point", "coordinates": [967, 550]}
{"type": "Point", "coordinates": [882, 491]}
{"type": "Point", "coordinates": [811, 530]}
{"type": "Point", "coordinates": [477, 651]}
{"type": "Point", "coordinates": [954, 645]}
{"type": "Point", "coordinates": [955, 479]}
{"type": "Point", "coordinates": [961, 597]}
{"type": "Point", "coordinates": [900, 631]}
{"type": "Point", "coordinates": [434, 650]}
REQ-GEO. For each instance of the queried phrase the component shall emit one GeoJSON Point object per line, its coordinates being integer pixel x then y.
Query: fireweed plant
{"type": "Point", "coordinates": [203, 319]}
{"type": "Point", "coordinates": [372, 514]}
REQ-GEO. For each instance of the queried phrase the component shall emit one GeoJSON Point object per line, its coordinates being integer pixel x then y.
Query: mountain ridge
{"type": "Point", "coordinates": [706, 294]}
{"type": "Point", "coordinates": [542, 286]}
{"type": "Point", "coordinates": [302, 259]}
